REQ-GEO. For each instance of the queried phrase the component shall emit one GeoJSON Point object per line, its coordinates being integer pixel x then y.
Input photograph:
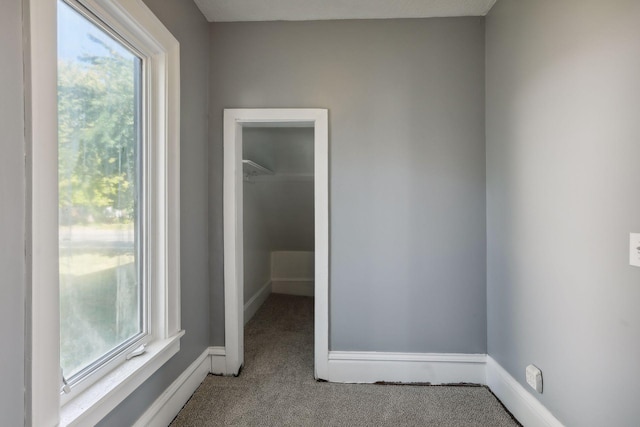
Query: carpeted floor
{"type": "Point", "coordinates": [276, 386]}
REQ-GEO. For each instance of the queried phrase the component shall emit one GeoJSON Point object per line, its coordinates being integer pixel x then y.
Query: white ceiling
{"type": "Point", "coordinates": [306, 10]}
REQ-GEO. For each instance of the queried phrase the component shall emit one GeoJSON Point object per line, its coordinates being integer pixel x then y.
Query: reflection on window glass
{"type": "Point", "coordinates": [99, 192]}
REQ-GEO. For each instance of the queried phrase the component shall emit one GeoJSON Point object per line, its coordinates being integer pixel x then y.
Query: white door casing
{"type": "Point", "coordinates": [234, 120]}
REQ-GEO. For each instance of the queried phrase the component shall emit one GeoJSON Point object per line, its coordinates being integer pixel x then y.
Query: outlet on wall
{"type": "Point", "coordinates": [634, 249]}
{"type": "Point", "coordinates": [534, 378]}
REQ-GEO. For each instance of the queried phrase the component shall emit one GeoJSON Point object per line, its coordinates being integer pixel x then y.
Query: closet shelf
{"type": "Point", "coordinates": [250, 168]}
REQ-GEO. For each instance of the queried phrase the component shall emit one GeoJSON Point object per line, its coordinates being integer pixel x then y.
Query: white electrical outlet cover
{"type": "Point", "coordinates": [534, 378]}
{"type": "Point", "coordinates": [634, 249]}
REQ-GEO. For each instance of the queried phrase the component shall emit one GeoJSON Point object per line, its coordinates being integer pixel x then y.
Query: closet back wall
{"type": "Point", "coordinates": [407, 168]}
{"type": "Point", "coordinates": [278, 211]}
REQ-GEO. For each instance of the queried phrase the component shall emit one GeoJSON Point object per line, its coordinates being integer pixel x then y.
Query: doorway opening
{"type": "Point", "coordinates": [237, 122]}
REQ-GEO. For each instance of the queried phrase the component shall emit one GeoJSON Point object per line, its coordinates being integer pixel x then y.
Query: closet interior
{"type": "Point", "coordinates": [278, 213]}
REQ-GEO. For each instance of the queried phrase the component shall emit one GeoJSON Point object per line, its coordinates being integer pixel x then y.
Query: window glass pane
{"type": "Point", "coordinates": [99, 192]}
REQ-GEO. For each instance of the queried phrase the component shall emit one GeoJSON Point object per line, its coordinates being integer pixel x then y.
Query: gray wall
{"type": "Point", "coordinates": [283, 150]}
{"type": "Point", "coordinates": [278, 216]}
{"type": "Point", "coordinates": [12, 215]}
{"type": "Point", "coordinates": [256, 255]}
{"type": "Point", "coordinates": [407, 168]}
{"type": "Point", "coordinates": [187, 24]}
{"type": "Point", "coordinates": [289, 214]}
{"type": "Point", "coordinates": [286, 204]}
{"type": "Point", "coordinates": [563, 175]}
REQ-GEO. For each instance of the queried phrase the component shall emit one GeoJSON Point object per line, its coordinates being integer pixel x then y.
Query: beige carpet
{"type": "Point", "coordinates": [276, 386]}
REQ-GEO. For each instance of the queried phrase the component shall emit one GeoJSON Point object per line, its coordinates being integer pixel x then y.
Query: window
{"type": "Point", "coordinates": [100, 152]}
{"type": "Point", "coordinates": [104, 134]}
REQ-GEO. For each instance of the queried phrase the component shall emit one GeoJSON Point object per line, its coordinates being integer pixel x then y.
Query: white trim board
{"type": "Point", "coordinates": [218, 360]}
{"type": "Point", "coordinates": [434, 368]}
{"type": "Point", "coordinates": [520, 402]}
{"type": "Point", "coordinates": [234, 121]}
{"type": "Point", "coordinates": [254, 303]}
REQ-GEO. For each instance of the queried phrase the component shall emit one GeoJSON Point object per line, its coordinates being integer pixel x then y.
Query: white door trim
{"type": "Point", "coordinates": [234, 119]}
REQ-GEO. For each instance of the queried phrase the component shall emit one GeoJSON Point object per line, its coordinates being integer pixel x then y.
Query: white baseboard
{"type": "Point", "coordinates": [522, 404]}
{"type": "Point", "coordinates": [434, 368]}
{"type": "Point", "coordinates": [371, 367]}
{"type": "Point", "coordinates": [167, 406]}
{"type": "Point", "coordinates": [256, 301]}
{"type": "Point", "coordinates": [218, 360]}
{"type": "Point", "coordinates": [301, 287]}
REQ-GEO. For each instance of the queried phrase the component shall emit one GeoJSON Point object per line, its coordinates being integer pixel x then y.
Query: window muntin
{"type": "Point", "coordinates": [103, 287]}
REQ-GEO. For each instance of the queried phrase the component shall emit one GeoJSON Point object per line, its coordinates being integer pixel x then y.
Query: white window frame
{"type": "Point", "coordinates": [136, 24]}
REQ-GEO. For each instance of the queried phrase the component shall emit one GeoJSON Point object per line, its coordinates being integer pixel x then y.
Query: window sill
{"type": "Point", "coordinates": [97, 401]}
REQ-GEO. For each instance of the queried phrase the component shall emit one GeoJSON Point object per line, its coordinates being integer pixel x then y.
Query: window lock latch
{"type": "Point", "coordinates": [137, 352]}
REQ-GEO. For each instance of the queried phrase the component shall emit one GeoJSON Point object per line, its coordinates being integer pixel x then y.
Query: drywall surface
{"type": "Point", "coordinates": [12, 216]}
{"type": "Point", "coordinates": [256, 255]}
{"type": "Point", "coordinates": [290, 265]}
{"type": "Point", "coordinates": [293, 272]}
{"type": "Point", "coordinates": [188, 25]}
{"type": "Point", "coordinates": [563, 145]}
{"type": "Point", "coordinates": [288, 214]}
{"type": "Point", "coordinates": [282, 150]}
{"type": "Point", "coordinates": [407, 168]}
{"type": "Point", "coordinates": [278, 215]}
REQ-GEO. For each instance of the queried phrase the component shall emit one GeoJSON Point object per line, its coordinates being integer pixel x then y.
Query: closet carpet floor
{"type": "Point", "coordinates": [276, 387]}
